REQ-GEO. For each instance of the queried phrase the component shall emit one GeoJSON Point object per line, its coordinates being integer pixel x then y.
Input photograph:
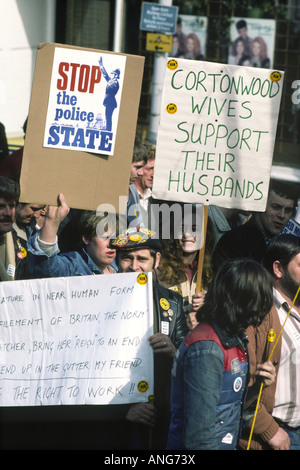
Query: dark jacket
{"type": "Point", "coordinates": [245, 241]}
{"type": "Point", "coordinates": [168, 317]}
{"type": "Point", "coordinates": [173, 315]}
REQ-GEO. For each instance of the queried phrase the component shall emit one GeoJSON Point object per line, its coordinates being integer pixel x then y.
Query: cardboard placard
{"type": "Point", "coordinates": [94, 167]}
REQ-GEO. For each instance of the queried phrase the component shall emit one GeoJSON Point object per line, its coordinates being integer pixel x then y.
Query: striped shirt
{"type": "Point", "coordinates": [287, 396]}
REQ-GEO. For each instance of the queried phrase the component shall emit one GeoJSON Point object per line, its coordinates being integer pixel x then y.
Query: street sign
{"type": "Point", "coordinates": [159, 42]}
{"type": "Point", "coordinates": [158, 18]}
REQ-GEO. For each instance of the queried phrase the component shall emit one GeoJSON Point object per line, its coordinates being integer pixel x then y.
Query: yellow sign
{"type": "Point", "coordinates": [159, 42]}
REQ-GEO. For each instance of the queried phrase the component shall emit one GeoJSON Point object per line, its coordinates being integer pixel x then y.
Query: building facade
{"type": "Point", "coordinates": [90, 23]}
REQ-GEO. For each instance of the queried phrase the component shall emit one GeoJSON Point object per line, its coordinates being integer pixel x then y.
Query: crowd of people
{"type": "Point", "coordinates": [213, 351]}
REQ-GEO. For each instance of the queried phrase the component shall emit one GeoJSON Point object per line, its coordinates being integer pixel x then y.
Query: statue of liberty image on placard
{"type": "Point", "coordinates": [111, 90]}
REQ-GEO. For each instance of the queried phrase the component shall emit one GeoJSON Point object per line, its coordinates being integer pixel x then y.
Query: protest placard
{"type": "Point", "coordinates": [79, 340]}
{"type": "Point", "coordinates": [216, 134]}
{"type": "Point", "coordinates": [81, 126]}
{"type": "Point", "coordinates": [84, 101]}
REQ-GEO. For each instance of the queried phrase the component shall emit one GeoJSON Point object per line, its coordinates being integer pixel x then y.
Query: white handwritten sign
{"type": "Point", "coordinates": [216, 134]}
{"type": "Point", "coordinates": [79, 340]}
{"type": "Point", "coordinates": [84, 101]}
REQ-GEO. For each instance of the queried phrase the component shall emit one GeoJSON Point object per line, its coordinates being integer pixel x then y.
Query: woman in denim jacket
{"type": "Point", "coordinates": [210, 372]}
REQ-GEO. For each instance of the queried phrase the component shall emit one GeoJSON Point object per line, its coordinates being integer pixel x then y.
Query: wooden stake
{"type": "Point", "coordinates": [201, 252]}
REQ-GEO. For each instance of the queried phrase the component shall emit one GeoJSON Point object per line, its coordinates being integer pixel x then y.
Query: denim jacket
{"type": "Point", "coordinates": [209, 383]}
{"type": "Point", "coordinates": [68, 264]}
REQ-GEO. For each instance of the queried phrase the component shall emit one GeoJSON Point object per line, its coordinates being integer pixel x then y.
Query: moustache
{"type": "Point", "coordinates": [6, 219]}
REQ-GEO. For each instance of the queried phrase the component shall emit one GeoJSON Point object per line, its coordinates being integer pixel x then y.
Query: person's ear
{"type": "Point", "coordinates": [84, 239]}
{"type": "Point", "coordinates": [157, 260]}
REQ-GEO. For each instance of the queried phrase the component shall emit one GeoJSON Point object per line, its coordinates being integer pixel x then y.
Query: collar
{"type": "Point", "coordinates": [190, 269]}
{"type": "Point", "coordinates": [280, 301]}
{"type": "Point", "coordinates": [88, 260]}
{"type": "Point", "coordinates": [231, 341]}
{"type": "Point", "coordinates": [147, 194]}
{"type": "Point", "coordinates": [193, 264]}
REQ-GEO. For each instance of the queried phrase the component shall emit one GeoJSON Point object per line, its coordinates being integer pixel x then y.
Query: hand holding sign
{"type": "Point", "coordinates": [142, 413]}
{"type": "Point", "coordinates": [162, 344]}
{"type": "Point", "coordinates": [58, 214]}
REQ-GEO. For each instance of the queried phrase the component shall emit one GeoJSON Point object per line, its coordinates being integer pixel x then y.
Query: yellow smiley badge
{"type": "Point", "coordinates": [142, 279]}
{"type": "Point", "coordinates": [164, 304]}
{"type": "Point", "coordinates": [172, 64]}
{"type": "Point", "coordinates": [171, 108]}
{"type": "Point", "coordinates": [24, 252]}
{"type": "Point", "coordinates": [275, 76]}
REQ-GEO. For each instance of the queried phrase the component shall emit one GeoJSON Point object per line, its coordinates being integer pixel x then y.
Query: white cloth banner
{"type": "Point", "coordinates": [216, 134]}
{"type": "Point", "coordinates": [77, 340]}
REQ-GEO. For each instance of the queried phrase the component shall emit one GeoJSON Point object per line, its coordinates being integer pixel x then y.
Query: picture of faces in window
{"type": "Point", "coordinates": [190, 37]}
